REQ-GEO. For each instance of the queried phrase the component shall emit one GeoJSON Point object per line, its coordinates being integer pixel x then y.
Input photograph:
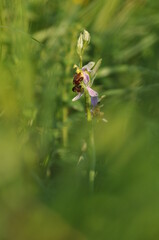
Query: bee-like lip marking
{"type": "Point", "coordinates": [77, 79]}
{"type": "Point", "coordinates": [76, 88]}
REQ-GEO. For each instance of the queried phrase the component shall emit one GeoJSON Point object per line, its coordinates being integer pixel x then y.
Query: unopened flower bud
{"type": "Point", "coordinates": [80, 44]}
{"type": "Point", "coordinates": [86, 36]}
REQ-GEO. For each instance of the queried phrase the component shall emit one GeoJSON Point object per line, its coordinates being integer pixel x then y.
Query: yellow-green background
{"type": "Point", "coordinates": [44, 189]}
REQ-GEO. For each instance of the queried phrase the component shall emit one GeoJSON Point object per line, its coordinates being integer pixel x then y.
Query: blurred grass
{"type": "Point", "coordinates": [44, 190]}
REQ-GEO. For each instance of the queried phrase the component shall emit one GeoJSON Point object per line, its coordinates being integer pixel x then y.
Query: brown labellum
{"type": "Point", "coordinates": [76, 88]}
{"type": "Point", "coordinates": [77, 79]}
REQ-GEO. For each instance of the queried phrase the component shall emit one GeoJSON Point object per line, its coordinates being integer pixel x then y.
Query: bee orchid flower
{"type": "Point", "coordinates": [83, 80]}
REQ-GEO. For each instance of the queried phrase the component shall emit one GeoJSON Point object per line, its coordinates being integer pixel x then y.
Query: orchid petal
{"type": "Point", "coordinates": [91, 92]}
{"type": "Point", "coordinates": [89, 66]}
{"type": "Point", "coordinates": [86, 78]}
{"type": "Point", "coordinates": [77, 97]}
{"type": "Point", "coordinates": [94, 101]}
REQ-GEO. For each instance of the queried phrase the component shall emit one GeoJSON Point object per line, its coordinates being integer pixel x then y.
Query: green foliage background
{"type": "Point", "coordinates": [44, 190]}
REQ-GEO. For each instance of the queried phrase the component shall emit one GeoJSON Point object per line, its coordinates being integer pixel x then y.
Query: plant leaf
{"type": "Point", "coordinates": [95, 69]}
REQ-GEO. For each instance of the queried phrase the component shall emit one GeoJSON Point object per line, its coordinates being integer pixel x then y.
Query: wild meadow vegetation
{"type": "Point", "coordinates": [63, 177]}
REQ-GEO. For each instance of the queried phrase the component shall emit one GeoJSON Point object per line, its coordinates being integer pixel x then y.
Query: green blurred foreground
{"type": "Point", "coordinates": [44, 163]}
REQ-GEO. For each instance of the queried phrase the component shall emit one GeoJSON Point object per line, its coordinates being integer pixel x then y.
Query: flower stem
{"type": "Point", "coordinates": [81, 61]}
{"type": "Point", "coordinates": [88, 106]}
{"type": "Point", "coordinates": [93, 159]}
{"type": "Point", "coordinates": [91, 142]}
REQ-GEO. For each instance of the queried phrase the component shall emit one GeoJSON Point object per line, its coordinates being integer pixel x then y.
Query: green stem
{"type": "Point", "coordinates": [93, 159]}
{"type": "Point", "coordinates": [81, 61]}
{"type": "Point", "coordinates": [91, 137]}
{"type": "Point", "coordinates": [91, 142]}
{"type": "Point", "coordinates": [88, 105]}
